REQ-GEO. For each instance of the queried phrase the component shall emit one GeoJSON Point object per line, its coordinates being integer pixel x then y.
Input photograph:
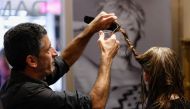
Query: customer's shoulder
{"type": "Point", "coordinates": [180, 104]}
{"type": "Point", "coordinates": [187, 103]}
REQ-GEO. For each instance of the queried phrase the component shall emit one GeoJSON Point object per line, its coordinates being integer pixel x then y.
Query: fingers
{"type": "Point", "coordinates": [103, 12]}
{"type": "Point", "coordinates": [108, 16]}
{"type": "Point", "coordinates": [108, 46]}
{"type": "Point", "coordinates": [117, 43]}
{"type": "Point", "coordinates": [102, 21]}
{"type": "Point", "coordinates": [113, 36]}
{"type": "Point", "coordinates": [101, 35]}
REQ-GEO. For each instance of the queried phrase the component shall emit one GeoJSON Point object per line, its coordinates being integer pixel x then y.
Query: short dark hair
{"type": "Point", "coordinates": [21, 41]}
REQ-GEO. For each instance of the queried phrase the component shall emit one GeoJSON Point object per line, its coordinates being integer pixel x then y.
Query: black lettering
{"type": "Point", "coordinates": [6, 9]}
{"type": "Point", "coordinates": [18, 8]}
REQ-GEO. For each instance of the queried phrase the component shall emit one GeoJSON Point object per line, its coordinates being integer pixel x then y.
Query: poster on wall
{"type": "Point", "coordinates": [125, 73]}
{"type": "Point", "coordinates": [145, 28]}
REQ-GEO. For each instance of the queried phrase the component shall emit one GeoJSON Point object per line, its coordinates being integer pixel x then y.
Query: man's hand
{"type": "Point", "coordinates": [102, 21]}
{"type": "Point", "coordinates": [75, 48]}
{"type": "Point", "coordinates": [108, 46]}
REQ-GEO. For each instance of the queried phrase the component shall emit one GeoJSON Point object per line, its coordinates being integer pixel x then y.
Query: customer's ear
{"type": "Point", "coordinates": [31, 61]}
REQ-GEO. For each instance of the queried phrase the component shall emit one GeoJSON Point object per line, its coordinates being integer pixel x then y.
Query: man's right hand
{"type": "Point", "coordinates": [108, 46]}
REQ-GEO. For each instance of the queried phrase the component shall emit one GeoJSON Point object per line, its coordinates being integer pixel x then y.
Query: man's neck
{"type": "Point", "coordinates": [32, 73]}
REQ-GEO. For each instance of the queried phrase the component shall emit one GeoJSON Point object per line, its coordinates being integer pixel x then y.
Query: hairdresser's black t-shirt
{"type": "Point", "coordinates": [23, 92]}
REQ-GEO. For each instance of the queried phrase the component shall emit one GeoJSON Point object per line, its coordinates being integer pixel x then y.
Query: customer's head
{"type": "Point", "coordinates": [21, 41]}
{"type": "Point", "coordinates": [162, 75]}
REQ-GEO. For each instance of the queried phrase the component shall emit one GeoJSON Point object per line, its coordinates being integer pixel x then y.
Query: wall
{"type": "Point", "coordinates": [157, 30]}
{"type": "Point", "coordinates": [157, 25]}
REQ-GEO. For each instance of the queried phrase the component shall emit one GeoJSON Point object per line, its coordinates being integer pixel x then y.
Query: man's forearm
{"type": "Point", "coordinates": [100, 90]}
{"type": "Point", "coordinates": [75, 48]}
